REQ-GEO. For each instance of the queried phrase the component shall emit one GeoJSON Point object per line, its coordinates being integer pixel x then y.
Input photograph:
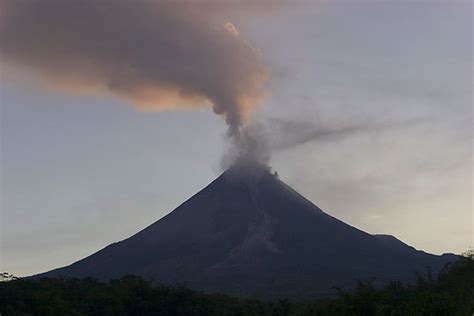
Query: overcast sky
{"type": "Point", "coordinates": [370, 104]}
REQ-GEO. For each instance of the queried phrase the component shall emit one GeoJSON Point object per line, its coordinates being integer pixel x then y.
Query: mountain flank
{"type": "Point", "coordinates": [249, 234]}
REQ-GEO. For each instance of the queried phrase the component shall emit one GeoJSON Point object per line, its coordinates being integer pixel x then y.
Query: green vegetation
{"type": "Point", "coordinates": [451, 293]}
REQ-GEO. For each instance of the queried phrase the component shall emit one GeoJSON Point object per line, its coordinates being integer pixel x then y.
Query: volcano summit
{"type": "Point", "coordinates": [249, 234]}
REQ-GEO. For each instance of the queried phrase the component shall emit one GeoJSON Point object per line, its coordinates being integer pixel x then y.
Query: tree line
{"type": "Point", "coordinates": [449, 293]}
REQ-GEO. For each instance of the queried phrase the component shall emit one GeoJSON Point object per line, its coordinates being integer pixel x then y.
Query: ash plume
{"type": "Point", "coordinates": [249, 148]}
{"type": "Point", "coordinates": [157, 55]}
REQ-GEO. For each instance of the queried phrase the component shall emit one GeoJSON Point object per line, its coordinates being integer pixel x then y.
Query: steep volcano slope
{"type": "Point", "coordinates": [248, 233]}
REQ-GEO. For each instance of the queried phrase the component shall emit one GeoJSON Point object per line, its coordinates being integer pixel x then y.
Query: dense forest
{"type": "Point", "coordinates": [449, 293]}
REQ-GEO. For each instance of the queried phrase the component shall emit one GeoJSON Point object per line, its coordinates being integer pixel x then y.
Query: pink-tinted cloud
{"type": "Point", "coordinates": [155, 54]}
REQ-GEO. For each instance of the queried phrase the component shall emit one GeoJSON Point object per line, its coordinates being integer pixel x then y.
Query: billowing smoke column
{"type": "Point", "coordinates": [249, 147]}
{"type": "Point", "coordinates": [158, 55]}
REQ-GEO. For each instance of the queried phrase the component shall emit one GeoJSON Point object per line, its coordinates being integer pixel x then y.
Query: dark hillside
{"type": "Point", "coordinates": [452, 293]}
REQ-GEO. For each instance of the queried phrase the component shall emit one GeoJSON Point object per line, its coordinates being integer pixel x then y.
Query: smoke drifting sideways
{"type": "Point", "coordinates": [157, 55]}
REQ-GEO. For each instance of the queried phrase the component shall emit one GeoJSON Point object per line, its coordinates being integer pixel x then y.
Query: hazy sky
{"type": "Point", "coordinates": [374, 100]}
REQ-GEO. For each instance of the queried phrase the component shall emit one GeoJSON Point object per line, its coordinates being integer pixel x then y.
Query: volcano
{"type": "Point", "coordinates": [249, 234]}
